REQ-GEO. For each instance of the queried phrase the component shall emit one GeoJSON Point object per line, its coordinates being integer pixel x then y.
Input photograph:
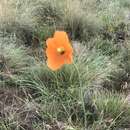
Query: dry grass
{"type": "Point", "coordinates": [32, 96]}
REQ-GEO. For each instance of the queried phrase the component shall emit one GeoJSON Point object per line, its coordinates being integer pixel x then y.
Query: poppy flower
{"type": "Point", "coordinates": [59, 50]}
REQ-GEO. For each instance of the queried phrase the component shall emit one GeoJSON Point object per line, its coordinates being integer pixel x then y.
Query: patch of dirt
{"type": "Point", "coordinates": [17, 109]}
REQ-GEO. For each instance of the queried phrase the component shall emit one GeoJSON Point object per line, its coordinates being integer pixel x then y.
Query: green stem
{"type": "Point", "coordinates": [81, 94]}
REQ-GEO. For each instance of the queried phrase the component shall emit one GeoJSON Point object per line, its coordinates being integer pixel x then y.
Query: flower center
{"type": "Point", "coordinates": [61, 50]}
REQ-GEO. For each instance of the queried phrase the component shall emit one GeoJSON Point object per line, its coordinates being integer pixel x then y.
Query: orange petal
{"type": "Point", "coordinates": [56, 61]}
{"type": "Point", "coordinates": [54, 64]}
{"type": "Point", "coordinates": [51, 48]}
{"type": "Point", "coordinates": [61, 38]}
{"type": "Point", "coordinates": [69, 48]}
{"type": "Point", "coordinates": [69, 59]}
{"type": "Point", "coordinates": [50, 43]}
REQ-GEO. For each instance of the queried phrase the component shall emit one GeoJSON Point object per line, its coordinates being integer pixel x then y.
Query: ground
{"type": "Point", "coordinates": [92, 93]}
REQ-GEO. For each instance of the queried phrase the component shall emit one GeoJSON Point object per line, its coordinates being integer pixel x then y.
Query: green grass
{"type": "Point", "coordinates": [14, 59]}
{"type": "Point", "coordinates": [112, 109]}
{"type": "Point", "coordinates": [61, 93]}
{"type": "Point", "coordinates": [73, 96]}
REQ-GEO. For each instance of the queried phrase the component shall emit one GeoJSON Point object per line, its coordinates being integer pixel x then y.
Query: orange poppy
{"type": "Point", "coordinates": [59, 50]}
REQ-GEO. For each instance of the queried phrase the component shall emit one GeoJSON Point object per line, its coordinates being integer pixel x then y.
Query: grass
{"type": "Point", "coordinates": [89, 94]}
{"type": "Point", "coordinates": [60, 92]}
{"type": "Point", "coordinates": [113, 108]}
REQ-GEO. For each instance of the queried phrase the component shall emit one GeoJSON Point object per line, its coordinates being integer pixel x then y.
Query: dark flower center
{"type": "Point", "coordinates": [61, 50]}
